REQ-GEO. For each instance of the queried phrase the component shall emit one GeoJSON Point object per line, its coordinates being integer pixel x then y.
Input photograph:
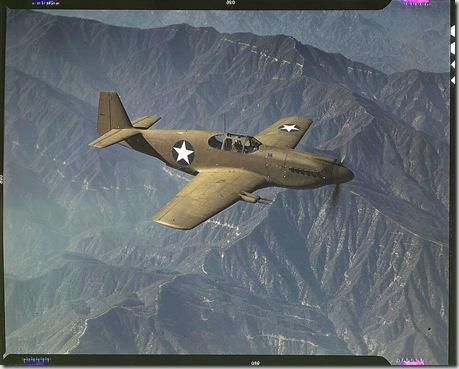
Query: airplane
{"type": "Point", "coordinates": [227, 167]}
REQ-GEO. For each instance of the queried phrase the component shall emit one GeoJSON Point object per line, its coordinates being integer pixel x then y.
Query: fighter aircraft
{"type": "Point", "coordinates": [227, 167]}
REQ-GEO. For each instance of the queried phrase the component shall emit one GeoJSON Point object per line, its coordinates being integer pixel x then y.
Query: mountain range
{"type": "Point", "coordinates": [396, 38]}
{"type": "Point", "coordinates": [359, 270]}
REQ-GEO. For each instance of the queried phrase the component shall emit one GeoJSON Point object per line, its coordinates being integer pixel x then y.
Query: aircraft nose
{"type": "Point", "coordinates": [343, 174]}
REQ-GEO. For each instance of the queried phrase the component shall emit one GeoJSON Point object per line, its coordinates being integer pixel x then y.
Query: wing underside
{"type": "Point", "coordinates": [285, 133]}
{"type": "Point", "coordinates": [206, 195]}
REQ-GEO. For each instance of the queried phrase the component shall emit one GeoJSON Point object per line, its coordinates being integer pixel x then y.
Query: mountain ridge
{"type": "Point", "coordinates": [406, 36]}
{"type": "Point", "coordinates": [357, 261]}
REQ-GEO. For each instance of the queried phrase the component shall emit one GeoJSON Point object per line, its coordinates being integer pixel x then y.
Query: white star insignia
{"type": "Point", "coordinates": [183, 153]}
{"type": "Point", "coordinates": [289, 127]}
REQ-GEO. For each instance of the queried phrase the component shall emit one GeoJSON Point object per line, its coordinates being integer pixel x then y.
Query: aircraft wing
{"type": "Point", "coordinates": [206, 195]}
{"type": "Point", "coordinates": [285, 133]}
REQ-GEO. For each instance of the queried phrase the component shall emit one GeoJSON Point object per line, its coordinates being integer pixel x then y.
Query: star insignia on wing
{"type": "Point", "coordinates": [289, 127]}
{"type": "Point", "coordinates": [183, 151]}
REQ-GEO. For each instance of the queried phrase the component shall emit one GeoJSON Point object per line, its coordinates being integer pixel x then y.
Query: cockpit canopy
{"type": "Point", "coordinates": [235, 143]}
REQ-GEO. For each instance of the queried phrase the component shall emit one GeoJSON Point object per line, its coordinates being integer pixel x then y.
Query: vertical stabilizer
{"type": "Point", "coordinates": [111, 113]}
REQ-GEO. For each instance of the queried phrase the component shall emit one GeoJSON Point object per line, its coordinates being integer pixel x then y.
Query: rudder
{"type": "Point", "coordinates": [111, 113]}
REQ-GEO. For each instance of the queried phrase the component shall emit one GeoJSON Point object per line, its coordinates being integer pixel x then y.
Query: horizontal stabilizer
{"type": "Point", "coordinates": [113, 136]}
{"type": "Point", "coordinates": [145, 122]}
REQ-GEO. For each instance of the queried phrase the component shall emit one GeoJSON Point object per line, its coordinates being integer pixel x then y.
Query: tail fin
{"type": "Point", "coordinates": [111, 113]}
{"type": "Point", "coordinates": [113, 123]}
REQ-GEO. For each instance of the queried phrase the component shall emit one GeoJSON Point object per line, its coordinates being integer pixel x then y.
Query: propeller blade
{"type": "Point", "coordinates": [343, 138]}
{"type": "Point", "coordinates": [334, 197]}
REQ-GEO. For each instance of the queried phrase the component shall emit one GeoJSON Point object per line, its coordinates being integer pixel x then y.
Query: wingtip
{"type": "Point", "coordinates": [172, 225]}
{"type": "Point", "coordinates": [299, 119]}
{"type": "Point", "coordinates": [94, 145]}
{"type": "Point", "coordinates": [307, 119]}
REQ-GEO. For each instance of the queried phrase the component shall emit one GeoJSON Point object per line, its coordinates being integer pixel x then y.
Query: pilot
{"type": "Point", "coordinates": [238, 146]}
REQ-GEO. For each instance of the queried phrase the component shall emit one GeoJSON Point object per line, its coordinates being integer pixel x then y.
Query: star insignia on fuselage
{"type": "Point", "coordinates": [289, 127]}
{"type": "Point", "coordinates": [183, 152]}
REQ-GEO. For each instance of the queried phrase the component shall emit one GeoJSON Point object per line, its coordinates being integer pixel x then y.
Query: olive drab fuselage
{"type": "Point", "coordinates": [227, 167]}
{"type": "Point", "coordinates": [280, 167]}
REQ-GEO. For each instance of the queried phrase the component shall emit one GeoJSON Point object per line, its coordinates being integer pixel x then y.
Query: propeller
{"type": "Point", "coordinates": [341, 147]}
{"type": "Point", "coordinates": [334, 197]}
{"type": "Point", "coordinates": [343, 138]}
